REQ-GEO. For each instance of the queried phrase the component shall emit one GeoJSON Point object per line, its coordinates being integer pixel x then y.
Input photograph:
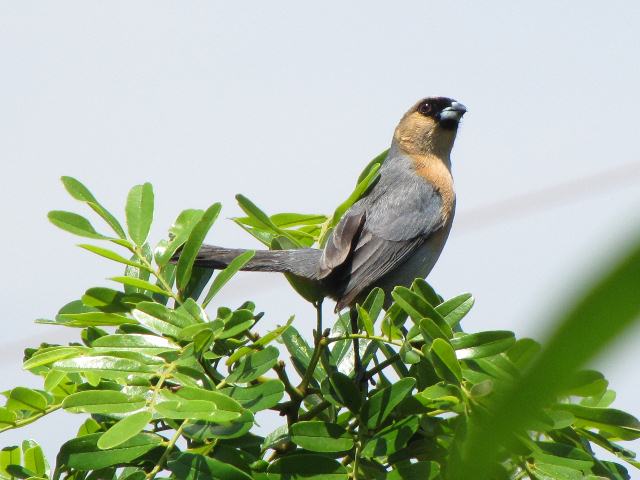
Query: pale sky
{"type": "Point", "coordinates": [286, 102]}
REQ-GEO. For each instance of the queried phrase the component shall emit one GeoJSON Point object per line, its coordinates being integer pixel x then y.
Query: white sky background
{"type": "Point", "coordinates": [286, 102]}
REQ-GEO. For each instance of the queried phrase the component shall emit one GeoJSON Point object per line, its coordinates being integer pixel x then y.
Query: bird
{"type": "Point", "coordinates": [392, 235]}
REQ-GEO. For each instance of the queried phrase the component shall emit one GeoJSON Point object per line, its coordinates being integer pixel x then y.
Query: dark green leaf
{"type": "Point", "coordinates": [445, 361]}
{"type": "Point", "coordinates": [83, 453]}
{"type": "Point", "coordinates": [190, 466]}
{"type": "Point", "coordinates": [616, 423]}
{"type": "Point", "coordinates": [193, 244]}
{"type": "Point", "coordinates": [225, 275]}
{"type": "Point", "coordinates": [342, 390]}
{"type": "Point", "coordinates": [424, 470]}
{"type": "Point", "coordinates": [415, 306]}
{"type": "Point", "coordinates": [384, 401]}
{"type": "Point", "coordinates": [604, 311]}
{"type": "Point", "coordinates": [392, 438]}
{"type": "Point", "coordinates": [307, 467]}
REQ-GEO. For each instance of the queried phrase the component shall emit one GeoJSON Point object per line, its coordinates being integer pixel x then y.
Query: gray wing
{"type": "Point", "coordinates": [380, 232]}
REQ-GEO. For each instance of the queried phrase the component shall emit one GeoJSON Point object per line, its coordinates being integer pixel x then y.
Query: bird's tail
{"type": "Point", "coordinates": [302, 263]}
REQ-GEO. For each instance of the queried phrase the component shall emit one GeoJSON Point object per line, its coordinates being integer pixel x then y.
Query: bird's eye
{"type": "Point", "coordinates": [424, 108]}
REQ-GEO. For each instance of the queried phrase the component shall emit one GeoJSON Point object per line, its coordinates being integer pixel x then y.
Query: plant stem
{"type": "Point", "coordinates": [357, 361]}
{"type": "Point", "coordinates": [322, 406]}
{"type": "Point", "coordinates": [381, 366]}
{"type": "Point", "coordinates": [373, 337]}
{"type": "Point", "coordinates": [160, 465]}
{"type": "Point", "coordinates": [27, 421]}
{"type": "Point", "coordinates": [138, 252]}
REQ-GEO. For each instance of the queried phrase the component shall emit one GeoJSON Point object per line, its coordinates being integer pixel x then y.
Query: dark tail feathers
{"type": "Point", "coordinates": [303, 262]}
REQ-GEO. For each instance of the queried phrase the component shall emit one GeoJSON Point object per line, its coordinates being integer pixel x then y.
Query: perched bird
{"type": "Point", "coordinates": [392, 235]}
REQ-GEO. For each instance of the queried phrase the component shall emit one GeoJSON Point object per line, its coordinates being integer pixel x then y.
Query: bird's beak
{"type": "Point", "coordinates": [453, 114]}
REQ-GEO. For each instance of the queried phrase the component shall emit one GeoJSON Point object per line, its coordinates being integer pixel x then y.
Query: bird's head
{"type": "Point", "coordinates": [430, 126]}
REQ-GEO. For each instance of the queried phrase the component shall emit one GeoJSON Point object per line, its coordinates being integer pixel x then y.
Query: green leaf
{"type": "Point", "coordinates": [456, 309]}
{"type": "Point", "coordinates": [124, 429]}
{"type": "Point", "coordinates": [426, 291]}
{"type": "Point", "coordinates": [482, 344]}
{"type": "Point", "coordinates": [193, 244]}
{"type": "Point", "coordinates": [262, 219]}
{"type": "Point", "coordinates": [307, 467]}
{"type": "Point", "coordinates": [424, 470]}
{"type": "Point", "coordinates": [321, 436]}
{"type": "Point", "coordinates": [105, 366]}
{"type": "Point", "coordinates": [110, 300]}
{"type": "Point", "coordinates": [616, 423]}
{"type": "Point", "coordinates": [373, 304]}
{"type": "Point", "coordinates": [162, 319]}
{"type": "Point", "coordinates": [34, 458]}
{"type": "Point", "coordinates": [50, 355]}
{"type": "Point", "coordinates": [252, 366]}
{"type": "Point", "coordinates": [341, 390]}
{"type": "Point", "coordinates": [377, 160]}
{"type": "Point", "coordinates": [78, 191]}
{"type": "Point", "coordinates": [225, 275]}
{"type": "Point", "coordinates": [7, 417]}
{"type": "Point", "coordinates": [240, 321]}
{"type": "Point", "coordinates": [74, 223]}
{"type": "Point", "coordinates": [392, 438]}
{"type": "Point", "coordinates": [543, 471]}
{"type": "Point", "coordinates": [150, 344]}
{"type": "Point", "coordinates": [563, 455]}
{"type": "Point", "coordinates": [9, 456]}
{"type": "Point", "coordinates": [445, 361]}
{"type": "Point", "coordinates": [587, 383]}
{"type": "Point", "coordinates": [300, 351]}
{"type": "Point", "coordinates": [361, 188]}
{"type": "Point", "coordinates": [179, 232]}
{"type": "Point", "coordinates": [603, 312]}
{"type": "Point", "coordinates": [221, 400]}
{"type": "Point", "coordinates": [90, 319]}
{"type": "Point", "coordinates": [21, 398]}
{"type": "Point", "coordinates": [258, 397]}
{"type": "Point", "coordinates": [102, 402]}
{"type": "Point", "coordinates": [440, 395]}
{"type": "Point", "coordinates": [384, 401]}
{"type": "Point", "coordinates": [139, 211]}
{"type": "Point", "coordinates": [288, 220]}
{"type": "Point", "coordinates": [141, 284]}
{"type": "Point", "coordinates": [83, 453]}
{"type": "Point", "coordinates": [418, 308]}
{"type": "Point", "coordinates": [195, 410]}
{"type": "Point", "coordinates": [111, 255]}
{"type": "Point", "coordinates": [190, 466]}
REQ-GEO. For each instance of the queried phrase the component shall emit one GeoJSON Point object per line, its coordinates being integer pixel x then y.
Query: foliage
{"type": "Point", "coordinates": [171, 386]}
